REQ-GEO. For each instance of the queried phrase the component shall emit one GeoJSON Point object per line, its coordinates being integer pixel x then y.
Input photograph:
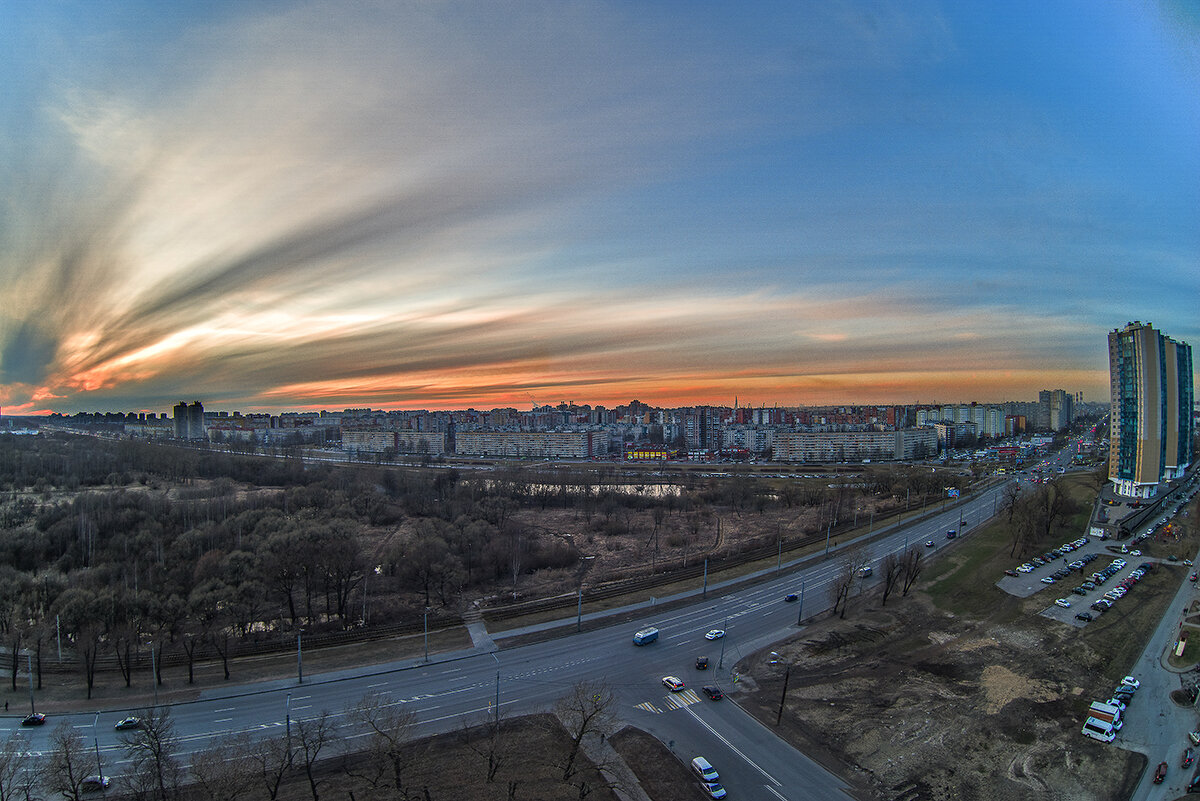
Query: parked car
{"type": "Point", "coordinates": [1130, 681]}
{"type": "Point", "coordinates": [1085, 616]}
{"type": "Point", "coordinates": [1188, 757]}
{"type": "Point", "coordinates": [1160, 773]}
{"type": "Point", "coordinates": [1063, 602]}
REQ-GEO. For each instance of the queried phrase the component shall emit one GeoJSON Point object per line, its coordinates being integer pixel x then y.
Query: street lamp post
{"type": "Point", "coordinates": [426, 633]}
{"type": "Point", "coordinates": [800, 614]}
{"type": "Point", "coordinates": [288, 722]}
{"type": "Point", "coordinates": [30, 656]}
{"type": "Point", "coordinates": [96, 741]}
{"type": "Point", "coordinates": [721, 660]}
{"type": "Point", "coordinates": [299, 657]}
{"type": "Point", "coordinates": [153, 672]}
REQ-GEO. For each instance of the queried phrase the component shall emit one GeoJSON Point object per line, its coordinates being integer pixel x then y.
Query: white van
{"type": "Point", "coordinates": [1099, 730]}
{"type": "Point", "coordinates": [705, 771]}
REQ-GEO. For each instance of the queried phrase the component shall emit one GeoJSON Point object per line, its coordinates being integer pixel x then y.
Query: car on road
{"type": "Point", "coordinates": [672, 683]}
{"type": "Point", "coordinates": [791, 596]}
{"type": "Point", "coordinates": [714, 634]}
{"type": "Point", "coordinates": [928, 543]}
{"type": "Point", "coordinates": [95, 784]}
{"type": "Point", "coordinates": [1063, 602]}
{"type": "Point", "coordinates": [713, 789]}
{"type": "Point", "coordinates": [713, 692]}
{"type": "Point", "coordinates": [33, 719]}
{"type": "Point", "coordinates": [951, 534]}
{"type": "Point", "coordinates": [1160, 773]}
{"type": "Point", "coordinates": [131, 722]}
{"type": "Point", "coordinates": [702, 663]}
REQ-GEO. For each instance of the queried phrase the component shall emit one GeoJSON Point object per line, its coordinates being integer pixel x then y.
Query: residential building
{"type": "Point", "coordinates": [1151, 428]}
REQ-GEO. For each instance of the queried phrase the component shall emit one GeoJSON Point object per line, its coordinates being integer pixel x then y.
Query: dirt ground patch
{"type": "Point", "coordinates": [923, 705]}
{"type": "Point", "coordinates": [661, 773]}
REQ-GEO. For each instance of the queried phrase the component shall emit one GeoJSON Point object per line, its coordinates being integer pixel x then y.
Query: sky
{"type": "Point", "coordinates": [435, 205]}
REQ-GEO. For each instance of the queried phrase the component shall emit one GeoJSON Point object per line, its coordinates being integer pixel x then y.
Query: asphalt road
{"type": "Point", "coordinates": [462, 687]}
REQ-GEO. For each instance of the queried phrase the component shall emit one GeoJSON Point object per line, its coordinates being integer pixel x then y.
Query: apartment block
{"type": "Point", "coordinates": [1151, 428]}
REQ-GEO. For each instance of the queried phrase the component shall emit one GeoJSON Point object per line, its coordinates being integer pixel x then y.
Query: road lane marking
{"type": "Point", "coordinates": [733, 747]}
{"type": "Point", "coordinates": [648, 707]}
{"type": "Point", "coordinates": [775, 792]}
{"type": "Point", "coordinates": [226, 709]}
{"type": "Point", "coordinates": [222, 720]}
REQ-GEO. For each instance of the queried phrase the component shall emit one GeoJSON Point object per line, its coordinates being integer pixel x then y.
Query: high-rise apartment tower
{"type": "Point", "coordinates": [1150, 427]}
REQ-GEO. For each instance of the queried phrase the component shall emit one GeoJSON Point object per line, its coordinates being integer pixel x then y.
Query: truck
{"type": "Point", "coordinates": [645, 636]}
{"type": "Point", "coordinates": [1108, 713]}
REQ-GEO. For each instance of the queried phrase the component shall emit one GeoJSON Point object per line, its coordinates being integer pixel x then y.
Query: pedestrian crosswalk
{"type": "Point", "coordinates": [682, 698]}
{"type": "Point", "coordinates": [673, 701]}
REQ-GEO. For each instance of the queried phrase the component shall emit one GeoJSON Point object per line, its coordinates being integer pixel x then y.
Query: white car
{"type": "Point", "coordinates": [1130, 681]}
{"type": "Point", "coordinates": [1063, 602]}
{"type": "Point", "coordinates": [1048, 579]}
{"type": "Point", "coordinates": [715, 634]}
{"type": "Point", "coordinates": [1025, 569]}
{"type": "Point", "coordinates": [672, 683]}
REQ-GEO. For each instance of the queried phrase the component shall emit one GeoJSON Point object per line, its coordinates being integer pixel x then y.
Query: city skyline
{"type": "Point", "coordinates": [300, 206]}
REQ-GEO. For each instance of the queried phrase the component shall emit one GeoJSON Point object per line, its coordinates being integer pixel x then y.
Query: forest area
{"type": "Point", "coordinates": [205, 554]}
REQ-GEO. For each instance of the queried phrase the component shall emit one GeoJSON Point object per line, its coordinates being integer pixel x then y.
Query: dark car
{"type": "Point", "coordinates": [1160, 773]}
{"type": "Point", "coordinates": [1188, 757]}
{"type": "Point", "coordinates": [1194, 784]}
{"type": "Point", "coordinates": [1084, 616]}
{"type": "Point", "coordinates": [791, 596]}
{"type": "Point", "coordinates": [33, 719]}
{"type": "Point", "coordinates": [713, 692]}
{"type": "Point", "coordinates": [130, 722]}
{"type": "Point", "coordinates": [1010, 572]}
{"type": "Point", "coordinates": [951, 534]}
{"type": "Point", "coordinates": [702, 663]}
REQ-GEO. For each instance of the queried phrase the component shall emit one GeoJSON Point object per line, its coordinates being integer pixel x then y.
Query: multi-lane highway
{"type": "Point", "coordinates": [753, 762]}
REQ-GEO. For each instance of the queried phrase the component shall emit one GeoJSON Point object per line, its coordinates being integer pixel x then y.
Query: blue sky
{"type": "Point", "coordinates": [440, 205]}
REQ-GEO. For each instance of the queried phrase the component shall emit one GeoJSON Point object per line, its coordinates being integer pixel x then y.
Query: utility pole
{"type": "Point", "coordinates": [787, 673]}
{"type": "Point", "coordinates": [704, 592]}
{"type": "Point", "coordinates": [427, 634]}
{"type": "Point", "coordinates": [31, 709]}
{"type": "Point", "coordinates": [299, 657]}
{"type": "Point", "coordinates": [579, 610]}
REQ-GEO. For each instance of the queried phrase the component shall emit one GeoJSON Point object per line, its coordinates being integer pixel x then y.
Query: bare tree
{"type": "Point", "coordinates": [913, 565]}
{"type": "Point", "coordinates": [388, 754]}
{"type": "Point", "coordinates": [272, 759]}
{"type": "Point", "coordinates": [16, 779]}
{"type": "Point", "coordinates": [67, 766]}
{"type": "Point", "coordinates": [155, 772]}
{"type": "Point", "coordinates": [224, 770]}
{"type": "Point", "coordinates": [586, 710]}
{"type": "Point", "coordinates": [893, 569]}
{"type": "Point", "coordinates": [311, 737]}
